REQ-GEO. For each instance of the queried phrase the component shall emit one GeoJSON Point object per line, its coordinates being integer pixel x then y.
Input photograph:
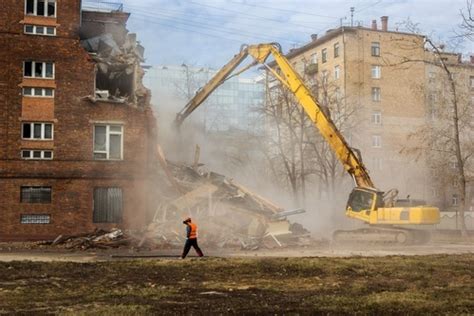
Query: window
{"type": "Point", "coordinates": [337, 72]}
{"type": "Point", "coordinates": [35, 219]}
{"type": "Point", "coordinates": [376, 72]}
{"type": "Point", "coordinates": [377, 117]}
{"type": "Point", "coordinates": [314, 58]}
{"type": "Point", "coordinates": [41, 7]}
{"type": "Point", "coordinates": [375, 49]}
{"type": "Point", "coordinates": [40, 30]}
{"type": "Point", "coordinates": [35, 69]}
{"type": "Point", "coordinates": [35, 194]}
{"type": "Point", "coordinates": [37, 131]}
{"type": "Point", "coordinates": [324, 77]}
{"type": "Point", "coordinates": [377, 163]}
{"type": "Point", "coordinates": [336, 50]}
{"type": "Point", "coordinates": [471, 80]}
{"type": "Point", "coordinates": [38, 92]}
{"type": "Point", "coordinates": [376, 94]}
{"type": "Point", "coordinates": [376, 141]}
{"type": "Point", "coordinates": [455, 183]}
{"type": "Point", "coordinates": [36, 154]}
{"type": "Point", "coordinates": [454, 200]}
{"type": "Point", "coordinates": [108, 142]}
{"type": "Point", "coordinates": [107, 205]}
{"type": "Point", "coordinates": [324, 55]}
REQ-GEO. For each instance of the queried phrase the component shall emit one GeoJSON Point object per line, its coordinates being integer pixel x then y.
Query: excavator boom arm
{"type": "Point", "coordinates": [290, 78]}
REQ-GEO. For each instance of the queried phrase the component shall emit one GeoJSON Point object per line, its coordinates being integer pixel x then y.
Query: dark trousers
{"type": "Point", "coordinates": [187, 246]}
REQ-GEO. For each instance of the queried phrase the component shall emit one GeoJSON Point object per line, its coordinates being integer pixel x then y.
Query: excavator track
{"type": "Point", "coordinates": [382, 235]}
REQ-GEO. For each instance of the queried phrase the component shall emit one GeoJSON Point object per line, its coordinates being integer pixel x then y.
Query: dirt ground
{"type": "Point", "coordinates": [434, 284]}
{"type": "Point", "coordinates": [431, 279]}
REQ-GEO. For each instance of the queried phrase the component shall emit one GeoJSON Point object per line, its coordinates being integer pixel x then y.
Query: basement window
{"type": "Point", "coordinates": [36, 69]}
{"type": "Point", "coordinates": [35, 219]}
{"type": "Point", "coordinates": [108, 205]}
{"type": "Point", "coordinates": [36, 194]}
{"type": "Point", "coordinates": [40, 30]}
{"type": "Point", "coordinates": [108, 142]}
{"type": "Point", "coordinates": [31, 154]}
{"type": "Point", "coordinates": [40, 7]}
{"type": "Point", "coordinates": [37, 131]}
{"type": "Point", "coordinates": [38, 92]}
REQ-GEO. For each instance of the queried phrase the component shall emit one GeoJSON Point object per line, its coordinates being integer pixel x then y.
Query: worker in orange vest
{"type": "Point", "coordinates": [191, 238]}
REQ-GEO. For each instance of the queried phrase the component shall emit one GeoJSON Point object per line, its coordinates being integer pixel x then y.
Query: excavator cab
{"type": "Point", "coordinates": [363, 199]}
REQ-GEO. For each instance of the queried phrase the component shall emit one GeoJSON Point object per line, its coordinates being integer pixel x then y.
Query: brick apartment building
{"type": "Point", "coordinates": [77, 129]}
{"type": "Point", "coordinates": [374, 69]}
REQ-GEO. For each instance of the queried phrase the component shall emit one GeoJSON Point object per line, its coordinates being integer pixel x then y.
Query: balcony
{"type": "Point", "coordinates": [311, 69]}
{"type": "Point", "coordinates": [102, 6]}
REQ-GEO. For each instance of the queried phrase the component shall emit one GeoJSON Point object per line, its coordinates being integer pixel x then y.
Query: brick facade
{"type": "Point", "coordinates": [72, 173]}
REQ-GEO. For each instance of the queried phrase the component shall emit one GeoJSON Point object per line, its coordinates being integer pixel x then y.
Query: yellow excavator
{"type": "Point", "coordinates": [389, 221]}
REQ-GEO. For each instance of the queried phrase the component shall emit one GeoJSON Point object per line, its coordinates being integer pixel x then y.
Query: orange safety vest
{"type": "Point", "coordinates": [193, 233]}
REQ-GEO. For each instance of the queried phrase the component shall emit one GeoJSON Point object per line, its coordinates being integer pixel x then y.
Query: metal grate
{"type": "Point", "coordinates": [35, 219]}
{"type": "Point", "coordinates": [36, 194]}
{"type": "Point", "coordinates": [107, 205]}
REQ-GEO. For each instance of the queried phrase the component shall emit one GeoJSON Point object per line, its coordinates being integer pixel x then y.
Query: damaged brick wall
{"type": "Point", "coordinates": [72, 173]}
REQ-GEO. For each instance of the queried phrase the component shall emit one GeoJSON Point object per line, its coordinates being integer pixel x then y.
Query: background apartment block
{"type": "Point", "coordinates": [76, 147]}
{"type": "Point", "coordinates": [385, 76]}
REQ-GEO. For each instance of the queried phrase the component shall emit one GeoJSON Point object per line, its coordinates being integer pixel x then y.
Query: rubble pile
{"type": "Point", "coordinates": [99, 238]}
{"type": "Point", "coordinates": [229, 215]}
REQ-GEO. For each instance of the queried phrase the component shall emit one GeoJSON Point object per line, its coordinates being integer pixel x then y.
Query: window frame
{"type": "Point", "coordinates": [336, 49]}
{"type": "Point", "coordinates": [376, 141]}
{"type": "Point", "coordinates": [43, 71]}
{"type": "Point", "coordinates": [107, 141]}
{"type": "Point", "coordinates": [376, 72]}
{"type": "Point", "coordinates": [324, 55]}
{"type": "Point", "coordinates": [32, 157]}
{"type": "Point", "coordinates": [43, 129]}
{"type": "Point", "coordinates": [376, 117]}
{"type": "Point", "coordinates": [34, 95]}
{"type": "Point", "coordinates": [375, 49]}
{"type": "Point", "coordinates": [35, 9]}
{"type": "Point", "coordinates": [337, 72]}
{"type": "Point", "coordinates": [376, 94]}
{"type": "Point", "coordinates": [35, 32]}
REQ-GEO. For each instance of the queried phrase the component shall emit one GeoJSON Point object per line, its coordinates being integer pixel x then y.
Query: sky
{"type": "Point", "coordinates": [209, 32]}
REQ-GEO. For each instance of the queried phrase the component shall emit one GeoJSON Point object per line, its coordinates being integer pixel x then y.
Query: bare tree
{"type": "Point", "coordinates": [296, 152]}
{"type": "Point", "coordinates": [448, 133]}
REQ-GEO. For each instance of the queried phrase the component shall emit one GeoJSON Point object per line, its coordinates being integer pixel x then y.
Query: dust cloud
{"type": "Point", "coordinates": [237, 156]}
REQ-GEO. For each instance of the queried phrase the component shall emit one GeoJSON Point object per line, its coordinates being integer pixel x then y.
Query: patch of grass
{"type": "Point", "coordinates": [394, 284]}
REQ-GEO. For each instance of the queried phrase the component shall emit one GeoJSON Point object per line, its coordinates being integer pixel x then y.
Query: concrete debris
{"type": "Point", "coordinates": [97, 239]}
{"type": "Point", "coordinates": [229, 215]}
{"type": "Point", "coordinates": [118, 56]}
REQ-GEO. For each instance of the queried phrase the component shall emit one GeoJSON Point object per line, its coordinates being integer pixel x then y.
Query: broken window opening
{"type": "Point", "coordinates": [115, 84]}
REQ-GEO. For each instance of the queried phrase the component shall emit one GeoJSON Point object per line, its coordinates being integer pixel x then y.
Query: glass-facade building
{"type": "Point", "coordinates": [232, 106]}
